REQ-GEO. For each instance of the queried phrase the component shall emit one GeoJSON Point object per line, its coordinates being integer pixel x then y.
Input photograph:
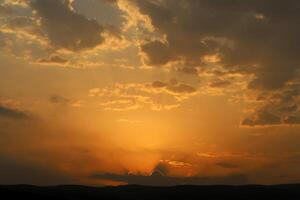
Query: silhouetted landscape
{"type": "Point", "coordinates": [75, 192]}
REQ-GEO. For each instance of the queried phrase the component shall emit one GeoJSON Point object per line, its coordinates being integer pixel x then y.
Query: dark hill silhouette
{"type": "Point", "coordinates": [159, 179]}
{"type": "Point", "coordinates": [218, 192]}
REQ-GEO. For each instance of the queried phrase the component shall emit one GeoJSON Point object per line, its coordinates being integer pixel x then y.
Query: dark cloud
{"type": "Point", "coordinates": [65, 28]}
{"type": "Point", "coordinates": [159, 84]}
{"type": "Point", "coordinates": [24, 24]}
{"type": "Point", "coordinates": [109, 1]}
{"type": "Point", "coordinates": [252, 36]}
{"type": "Point", "coordinates": [292, 120]}
{"type": "Point", "coordinates": [188, 70]}
{"type": "Point", "coordinates": [181, 88]}
{"type": "Point", "coordinates": [227, 165]}
{"type": "Point", "coordinates": [157, 53]}
{"type": "Point", "coordinates": [57, 99]}
{"type": "Point", "coordinates": [161, 168]}
{"type": "Point", "coordinates": [174, 86]}
{"type": "Point", "coordinates": [4, 11]}
{"type": "Point", "coordinates": [158, 179]}
{"type": "Point", "coordinates": [262, 118]}
{"type": "Point", "coordinates": [289, 108]}
{"type": "Point", "coordinates": [54, 59]}
{"type": "Point", "coordinates": [18, 171]}
{"type": "Point", "coordinates": [13, 113]}
{"type": "Point", "coordinates": [278, 107]}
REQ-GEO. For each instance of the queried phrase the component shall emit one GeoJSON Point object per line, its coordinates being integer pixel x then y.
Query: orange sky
{"type": "Point", "coordinates": [110, 91]}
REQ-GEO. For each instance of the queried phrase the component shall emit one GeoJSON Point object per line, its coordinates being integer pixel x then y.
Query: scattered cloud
{"type": "Point", "coordinates": [292, 120]}
{"type": "Point", "coordinates": [158, 95]}
{"type": "Point", "coordinates": [277, 107]}
{"type": "Point", "coordinates": [13, 113]}
{"type": "Point", "coordinates": [54, 59]}
{"type": "Point", "coordinates": [236, 50]}
{"type": "Point", "coordinates": [51, 33]}
{"type": "Point", "coordinates": [227, 165]}
{"type": "Point", "coordinates": [262, 118]}
{"type": "Point", "coordinates": [57, 99]}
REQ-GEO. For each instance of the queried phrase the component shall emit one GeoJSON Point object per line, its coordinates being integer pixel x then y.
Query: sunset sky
{"type": "Point", "coordinates": [109, 92]}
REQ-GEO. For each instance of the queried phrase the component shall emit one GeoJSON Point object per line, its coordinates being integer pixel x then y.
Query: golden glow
{"type": "Point", "coordinates": [120, 88]}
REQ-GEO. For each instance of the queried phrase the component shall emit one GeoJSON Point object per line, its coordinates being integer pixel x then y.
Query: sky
{"type": "Point", "coordinates": [153, 92]}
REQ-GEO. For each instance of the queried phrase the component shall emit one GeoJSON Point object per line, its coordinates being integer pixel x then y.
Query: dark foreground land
{"type": "Point", "coordinates": [255, 192]}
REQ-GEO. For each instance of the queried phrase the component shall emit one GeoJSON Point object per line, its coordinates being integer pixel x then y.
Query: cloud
{"type": "Point", "coordinates": [158, 95]}
{"type": "Point", "coordinates": [110, 1]}
{"type": "Point", "coordinates": [51, 33]}
{"type": "Point", "coordinates": [57, 99]}
{"type": "Point", "coordinates": [292, 120]}
{"type": "Point", "coordinates": [53, 59]}
{"type": "Point", "coordinates": [20, 3]}
{"type": "Point", "coordinates": [157, 53]}
{"type": "Point", "coordinates": [23, 24]}
{"type": "Point", "coordinates": [244, 34]}
{"type": "Point", "coordinates": [238, 48]}
{"type": "Point", "coordinates": [188, 70]}
{"type": "Point", "coordinates": [65, 28]}
{"type": "Point", "coordinates": [16, 171]}
{"type": "Point", "coordinates": [156, 178]}
{"type": "Point", "coordinates": [220, 83]}
{"type": "Point", "coordinates": [289, 109]}
{"type": "Point", "coordinates": [159, 84]}
{"type": "Point", "coordinates": [12, 113]}
{"type": "Point", "coordinates": [181, 88]}
{"type": "Point", "coordinates": [167, 164]}
{"type": "Point", "coordinates": [173, 86]}
{"type": "Point", "coordinates": [4, 11]}
{"type": "Point", "coordinates": [227, 165]}
{"type": "Point", "coordinates": [279, 107]}
{"type": "Point", "coordinates": [262, 118]}
{"type": "Point", "coordinates": [63, 101]}
{"type": "Point", "coordinates": [54, 25]}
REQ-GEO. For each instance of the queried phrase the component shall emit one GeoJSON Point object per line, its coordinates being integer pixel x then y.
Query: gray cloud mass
{"type": "Point", "coordinates": [65, 28]}
{"type": "Point", "coordinates": [251, 37]}
{"type": "Point", "coordinates": [12, 113]}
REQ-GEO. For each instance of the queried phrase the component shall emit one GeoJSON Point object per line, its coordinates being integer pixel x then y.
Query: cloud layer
{"type": "Point", "coordinates": [253, 38]}
{"type": "Point", "coordinates": [158, 95]}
